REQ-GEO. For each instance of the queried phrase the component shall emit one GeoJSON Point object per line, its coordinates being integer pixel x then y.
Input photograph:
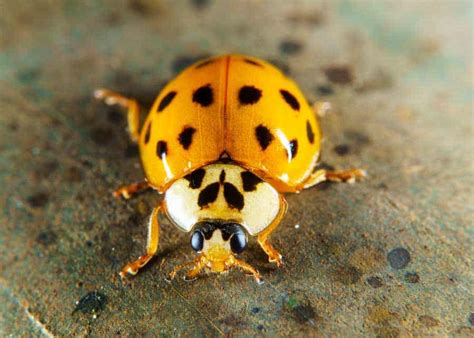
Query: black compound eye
{"type": "Point", "coordinates": [238, 242]}
{"type": "Point", "coordinates": [197, 240]}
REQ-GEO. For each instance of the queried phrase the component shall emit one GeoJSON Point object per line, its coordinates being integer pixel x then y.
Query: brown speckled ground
{"type": "Point", "coordinates": [391, 256]}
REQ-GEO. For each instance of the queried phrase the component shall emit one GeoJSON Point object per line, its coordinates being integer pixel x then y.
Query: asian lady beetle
{"type": "Point", "coordinates": [223, 141]}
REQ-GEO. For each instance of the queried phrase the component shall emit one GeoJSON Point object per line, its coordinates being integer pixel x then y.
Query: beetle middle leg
{"type": "Point", "coordinates": [151, 247]}
{"type": "Point", "coordinates": [322, 175]}
{"type": "Point", "coordinates": [133, 113]}
{"type": "Point", "coordinates": [128, 191]}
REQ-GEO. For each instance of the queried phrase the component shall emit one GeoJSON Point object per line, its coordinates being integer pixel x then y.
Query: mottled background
{"type": "Point", "coordinates": [391, 256]}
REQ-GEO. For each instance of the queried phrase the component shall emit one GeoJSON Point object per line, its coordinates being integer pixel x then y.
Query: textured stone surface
{"type": "Point", "coordinates": [399, 76]}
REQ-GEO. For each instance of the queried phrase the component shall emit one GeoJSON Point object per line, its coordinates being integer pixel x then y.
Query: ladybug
{"type": "Point", "coordinates": [223, 141]}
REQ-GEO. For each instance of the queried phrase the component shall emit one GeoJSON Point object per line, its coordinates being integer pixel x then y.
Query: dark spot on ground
{"type": "Point", "coordinates": [181, 62]}
{"type": "Point", "coordinates": [200, 4]}
{"type": "Point", "coordinates": [260, 327]}
{"type": "Point", "coordinates": [324, 90]}
{"type": "Point", "coordinates": [382, 186]}
{"type": "Point", "coordinates": [471, 318]}
{"type": "Point", "coordinates": [45, 169]}
{"type": "Point", "coordinates": [339, 74]}
{"type": "Point", "coordinates": [73, 175]}
{"type": "Point", "coordinates": [46, 238]}
{"type": "Point", "coordinates": [131, 150]}
{"type": "Point", "coordinates": [342, 149]}
{"type": "Point", "coordinates": [304, 314]}
{"type": "Point", "coordinates": [375, 282]}
{"type": "Point", "coordinates": [347, 275]}
{"type": "Point", "coordinates": [412, 277]}
{"type": "Point", "coordinates": [290, 47]}
{"type": "Point", "coordinates": [13, 126]}
{"type": "Point", "coordinates": [233, 321]}
{"type": "Point", "coordinates": [398, 258]}
{"type": "Point", "coordinates": [27, 76]}
{"type": "Point", "coordinates": [37, 200]}
{"type": "Point", "coordinates": [428, 321]}
{"type": "Point", "coordinates": [134, 220]}
{"type": "Point", "coordinates": [91, 303]}
{"type": "Point", "coordinates": [143, 7]}
{"type": "Point", "coordinates": [113, 19]}
{"type": "Point", "coordinates": [89, 243]}
{"type": "Point", "coordinates": [356, 137]}
{"type": "Point", "coordinates": [102, 136]}
{"type": "Point", "coordinates": [255, 310]}
{"type": "Point", "coordinates": [283, 66]}
{"type": "Point", "coordinates": [114, 114]}
{"type": "Point", "coordinates": [312, 18]}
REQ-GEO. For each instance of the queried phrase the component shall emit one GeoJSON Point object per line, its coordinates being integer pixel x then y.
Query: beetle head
{"type": "Point", "coordinates": [218, 241]}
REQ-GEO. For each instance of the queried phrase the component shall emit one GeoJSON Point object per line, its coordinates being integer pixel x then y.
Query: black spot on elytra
{"type": "Point", "coordinates": [309, 132]}
{"type": "Point", "coordinates": [412, 277]}
{"type": "Point", "coordinates": [37, 200]}
{"type": "Point", "coordinates": [293, 149]}
{"type": "Point", "coordinates": [342, 149]}
{"type": "Point", "coordinates": [161, 149]}
{"type": "Point", "coordinates": [250, 180]}
{"type": "Point", "coordinates": [290, 99]}
{"type": "Point", "coordinates": [290, 47]}
{"type": "Point", "coordinates": [165, 101]}
{"type": "Point", "coordinates": [186, 137]}
{"type": "Point", "coordinates": [195, 178]}
{"type": "Point", "coordinates": [147, 133]}
{"type": "Point", "coordinates": [208, 195]}
{"type": "Point", "coordinates": [339, 74]}
{"type": "Point", "coordinates": [46, 238]}
{"type": "Point", "coordinates": [375, 282]}
{"type": "Point", "coordinates": [91, 303]}
{"type": "Point", "coordinates": [254, 63]}
{"type": "Point", "coordinates": [203, 96]}
{"type": "Point", "coordinates": [324, 90]}
{"type": "Point", "coordinates": [398, 258]}
{"type": "Point", "coordinates": [204, 63]}
{"type": "Point", "coordinates": [249, 95]}
{"type": "Point", "coordinates": [264, 136]}
{"type": "Point", "coordinates": [222, 177]}
{"type": "Point", "coordinates": [233, 196]}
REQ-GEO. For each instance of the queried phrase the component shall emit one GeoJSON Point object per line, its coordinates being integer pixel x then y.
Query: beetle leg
{"type": "Point", "coordinates": [133, 113]}
{"type": "Point", "coordinates": [151, 247]}
{"type": "Point", "coordinates": [128, 190]}
{"type": "Point", "coordinates": [321, 175]}
{"type": "Point", "coordinates": [198, 264]}
{"type": "Point", "coordinates": [321, 108]}
{"type": "Point", "coordinates": [273, 255]}
{"type": "Point", "coordinates": [244, 266]}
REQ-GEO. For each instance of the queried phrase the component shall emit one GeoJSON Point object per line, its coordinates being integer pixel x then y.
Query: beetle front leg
{"type": "Point", "coordinates": [273, 255]}
{"type": "Point", "coordinates": [133, 109]}
{"type": "Point", "coordinates": [128, 191]}
{"type": "Point", "coordinates": [151, 247]}
{"type": "Point", "coordinates": [197, 265]}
